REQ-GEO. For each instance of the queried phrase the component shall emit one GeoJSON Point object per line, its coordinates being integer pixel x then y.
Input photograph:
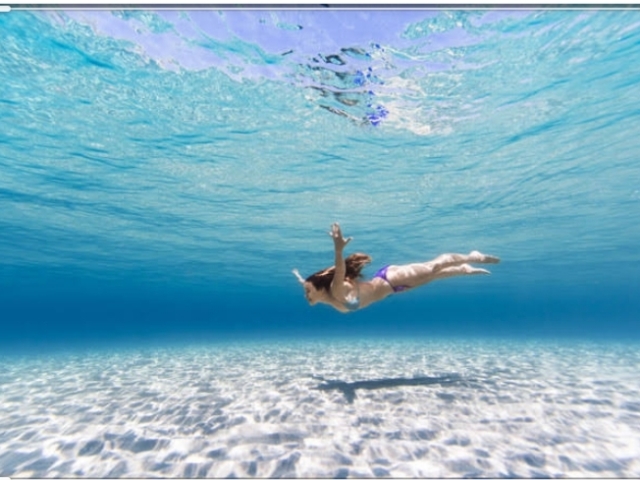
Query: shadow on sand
{"type": "Point", "coordinates": [349, 388]}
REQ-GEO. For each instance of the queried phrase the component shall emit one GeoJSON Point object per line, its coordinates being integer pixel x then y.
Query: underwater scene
{"type": "Point", "coordinates": [164, 172]}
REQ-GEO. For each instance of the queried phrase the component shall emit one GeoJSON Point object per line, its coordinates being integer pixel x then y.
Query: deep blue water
{"type": "Point", "coordinates": [161, 173]}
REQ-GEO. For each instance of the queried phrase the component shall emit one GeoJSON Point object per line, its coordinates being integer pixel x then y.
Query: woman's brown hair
{"type": "Point", "coordinates": [354, 264]}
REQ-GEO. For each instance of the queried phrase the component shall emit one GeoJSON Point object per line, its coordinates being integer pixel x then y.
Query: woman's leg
{"type": "Point", "coordinates": [464, 269]}
{"type": "Point", "coordinates": [443, 266]}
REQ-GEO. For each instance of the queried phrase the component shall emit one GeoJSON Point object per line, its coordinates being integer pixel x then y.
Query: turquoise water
{"type": "Point", "coordinates": [161, 173]}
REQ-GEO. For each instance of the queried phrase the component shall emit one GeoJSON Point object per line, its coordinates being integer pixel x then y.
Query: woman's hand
{"type": "Point", "coordinates": [338, 241]}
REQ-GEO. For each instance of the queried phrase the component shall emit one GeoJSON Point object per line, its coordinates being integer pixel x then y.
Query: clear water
{"type": "Point", "coordinates": [161, 173]}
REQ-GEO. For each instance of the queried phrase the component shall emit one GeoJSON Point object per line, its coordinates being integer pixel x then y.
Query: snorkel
{"type": "Point", "coordinates": [298, 276]}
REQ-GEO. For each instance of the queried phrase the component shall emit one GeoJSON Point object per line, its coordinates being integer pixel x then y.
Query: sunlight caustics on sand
{"type": "Point", "coordinates": [254, 410]}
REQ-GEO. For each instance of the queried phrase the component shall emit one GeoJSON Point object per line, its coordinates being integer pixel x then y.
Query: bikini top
{"type": "Point", "coordinates": [353, 304]}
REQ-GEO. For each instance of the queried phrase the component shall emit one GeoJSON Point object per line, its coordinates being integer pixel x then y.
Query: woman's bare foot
{"type": "Point", "coordinates": [468, 269]}
{"type": "Point", "coordinates": [477, 257]}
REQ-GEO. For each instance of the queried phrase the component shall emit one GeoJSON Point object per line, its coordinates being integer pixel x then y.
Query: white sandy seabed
{"type": "Point", "coordinates": [517, 409]}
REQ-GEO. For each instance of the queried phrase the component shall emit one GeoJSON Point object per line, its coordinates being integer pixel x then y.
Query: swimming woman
{"type": "Point", "coordinates": [341, 285]}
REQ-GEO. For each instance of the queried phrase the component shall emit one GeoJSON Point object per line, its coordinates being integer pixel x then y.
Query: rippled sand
{"type": "Point", "coordinates": [530, 409]}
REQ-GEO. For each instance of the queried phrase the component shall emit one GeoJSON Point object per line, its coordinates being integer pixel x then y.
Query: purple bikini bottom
{"type": "Point", "coordinates": [382, 273]}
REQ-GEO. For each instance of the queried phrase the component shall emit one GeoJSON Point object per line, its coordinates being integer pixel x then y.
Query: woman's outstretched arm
{"type": "Point", "coordinates": [337, 285]}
